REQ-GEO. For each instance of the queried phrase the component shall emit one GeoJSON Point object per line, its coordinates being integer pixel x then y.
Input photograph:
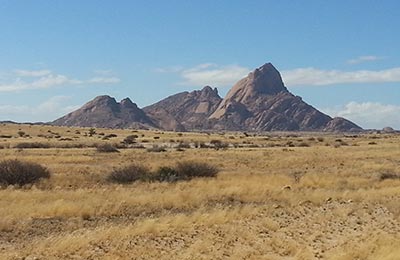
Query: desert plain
{"type": "Point", "coordinates": [277, 195]}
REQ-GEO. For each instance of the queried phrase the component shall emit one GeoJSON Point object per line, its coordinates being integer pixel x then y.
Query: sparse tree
{"type": "Point", "coordinates": [92, 131]}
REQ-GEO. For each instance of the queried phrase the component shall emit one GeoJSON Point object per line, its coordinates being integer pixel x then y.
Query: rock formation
{"type": "Point", "coordinates": [186, 110]}
{"type": "Point", "coordinates": [258, 102]}
{"type": "Point", "coordinates": [261, 102]}
{"type": "Point", "coordinates": [105, 111]}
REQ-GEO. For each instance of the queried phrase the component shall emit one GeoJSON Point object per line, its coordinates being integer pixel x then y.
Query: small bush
{"type": "Point", "coordinates": [189, 170]}
{"type": "Point", "coordinates": [290, 144]}
{"type": "Point", "coordinates": [15, 172]}
{"type": "Point", "coordinates": [218, 144]}
{"type": "Point", "coordinates": [183, 145]}
{"type": "Point", "coordinates": [203, 145]}
{"type": "Point", "coordinates": [107, 148]}
{"type": "Point", "coordinates": [129, 174]}
{"type": "Point", "coordinates": [110, 136]}
{"type": "Point", "coordinates": [130, 139]}
{"type": "Point", "coordinates": [5, 136]}
{"type": "Point", "coordinates": [340, 142]}
{"type": "Point", "coordinates": [65, 139]}
{"type": "Point", "coordinates": [183, 171]}
{"type": "Point", "coordinates": [21, 133]}
{"type": "Point", "coordinates": [167, 174]}
{"type": "Point", "coordinates": [303, 144]}
{"type": "Point", "coordinates": [389, 176]}
{"type": "Point", "coordinates": [32, 145]}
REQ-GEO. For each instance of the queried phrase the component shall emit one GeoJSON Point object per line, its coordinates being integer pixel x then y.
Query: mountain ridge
{"type": "Point", "coordinates": [258, 102]}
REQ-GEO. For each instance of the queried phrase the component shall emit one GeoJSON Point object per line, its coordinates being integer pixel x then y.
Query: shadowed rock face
{"type": "Point", "coordinates": [261, 102]}
{"type": "Point", "coordinates": [186, 110]}
{"type": "Point", "coordinates": [105, 111]}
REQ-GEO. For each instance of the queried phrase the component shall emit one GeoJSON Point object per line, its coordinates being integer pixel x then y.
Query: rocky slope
{"type": "Point", "coordinates": [261, 102]}
{"type": "Point", "coordinates": [186, 110]}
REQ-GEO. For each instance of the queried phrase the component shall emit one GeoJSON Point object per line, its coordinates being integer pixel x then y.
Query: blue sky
{"type": "Point", "coordinates": [341, 56]}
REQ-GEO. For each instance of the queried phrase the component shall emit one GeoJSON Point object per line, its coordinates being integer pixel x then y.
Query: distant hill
{"type": "Point", "coordinates": [105, 111]}
{"type": "Point", "coordinates": [258, 102]}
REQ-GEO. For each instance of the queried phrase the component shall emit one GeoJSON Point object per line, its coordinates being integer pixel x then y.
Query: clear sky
{"type": "Point", "coordinates": [343, 57]}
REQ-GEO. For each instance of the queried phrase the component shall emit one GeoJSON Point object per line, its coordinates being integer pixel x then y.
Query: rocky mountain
{"type": "Point", "coordinates": [105, 111]}
{"type": "Point", "coordinates": [258, 102]}
{"type": "Point", "coordinates": [186, 110]}
{"type": "Point", "coordinates": [261, 102]}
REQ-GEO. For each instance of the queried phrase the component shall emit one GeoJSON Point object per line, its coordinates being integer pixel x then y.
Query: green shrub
{"type": "Point", "coordinates": [92, 131]}
{"type": "Point", "coordinates": [129, 174]}
{"type": "Point", "coordinates": [15, 172]}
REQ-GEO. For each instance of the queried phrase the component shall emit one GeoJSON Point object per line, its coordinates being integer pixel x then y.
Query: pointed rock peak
{"type": "Point", "coordinates": [266, 79]}
{"type": "Point", "coordinates": [267, 66]}
{"type": "Point", "coordinates": [102, 100]}
{"type": "Point", "coordinates": [208, 91]}
{"type": "Point", "coordinates": [126, 101]}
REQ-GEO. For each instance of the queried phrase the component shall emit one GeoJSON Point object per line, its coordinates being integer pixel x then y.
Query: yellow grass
{"type": "Point", "coordinates": [270, 201]}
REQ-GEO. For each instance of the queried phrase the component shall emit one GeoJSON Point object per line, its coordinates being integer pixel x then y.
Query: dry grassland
{"type": "Point", "coordinates": [277, 196]}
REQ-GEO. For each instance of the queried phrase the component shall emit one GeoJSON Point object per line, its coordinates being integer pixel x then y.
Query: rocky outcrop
{"type": "Point", "coordinates": [340, 124]}
{"type": "Point", "coordinates": [261, 102]}
{"type": "Point", "coordinates": [186, 110]}
{"type": "Point", "coordinates": [105, 111]}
